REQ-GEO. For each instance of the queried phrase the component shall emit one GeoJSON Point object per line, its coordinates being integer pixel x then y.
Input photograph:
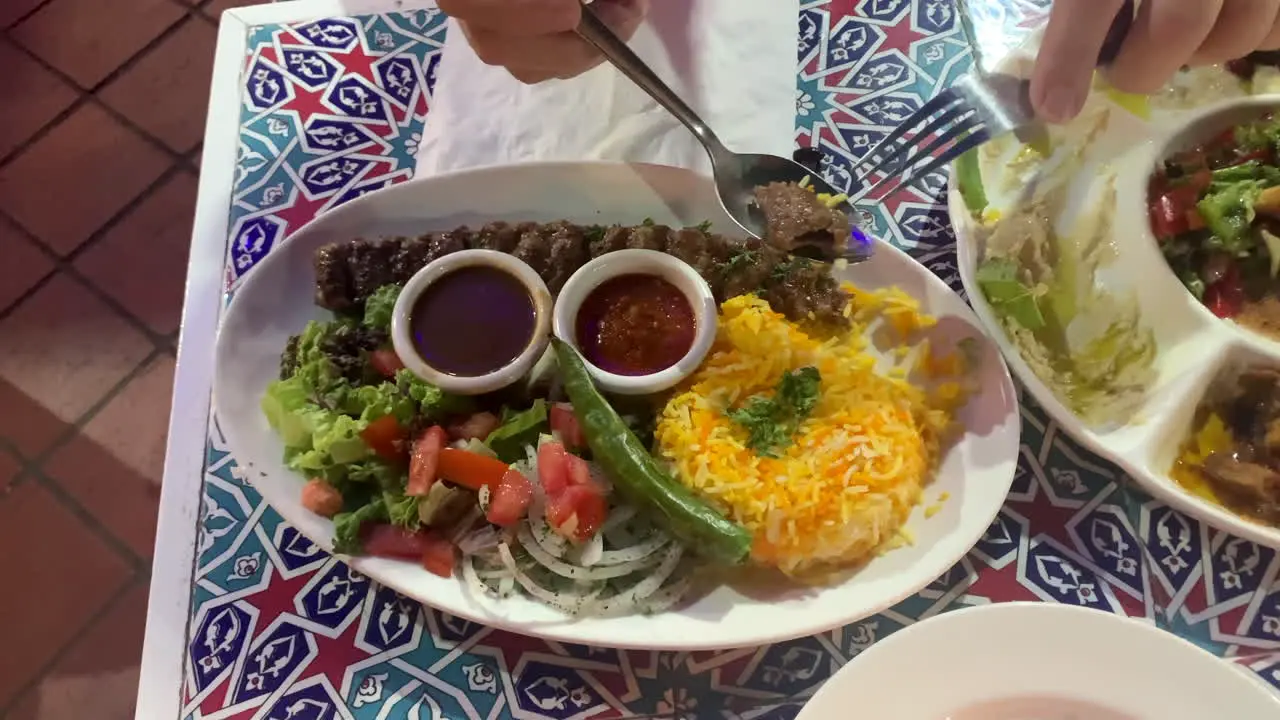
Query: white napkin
{"type": "Point", "coordinates": [733, 61]}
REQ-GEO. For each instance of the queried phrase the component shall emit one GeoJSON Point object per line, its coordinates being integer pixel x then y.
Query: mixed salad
{"type": "Point", "coordinates": [1215, 210]}
{"type": "Point", "coordinates": [535, 489]}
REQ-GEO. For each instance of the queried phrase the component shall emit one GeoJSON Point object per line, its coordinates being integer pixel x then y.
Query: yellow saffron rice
{"type": "Point", "coordinates": [857, 466]}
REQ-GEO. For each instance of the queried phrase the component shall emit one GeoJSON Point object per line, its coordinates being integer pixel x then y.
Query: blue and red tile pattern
{"type": "Point", "coordinates": [333, 109]}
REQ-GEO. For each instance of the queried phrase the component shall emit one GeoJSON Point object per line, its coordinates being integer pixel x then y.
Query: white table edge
{"type": "Point", "coordinates": [173, 566]}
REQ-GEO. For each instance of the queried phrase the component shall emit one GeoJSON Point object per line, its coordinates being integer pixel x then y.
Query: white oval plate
{"type": "Point", "coordinates": [1192, 346]}
{"type": "Point", "coordinates": [276, 301]}
{"type": "Point", "coordinates": [1042, 661]}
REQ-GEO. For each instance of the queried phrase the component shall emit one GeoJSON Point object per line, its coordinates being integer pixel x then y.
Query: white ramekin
{"type": "Point", "coordinates": [402, 327]}
{"type": "Point", "coordinates": [639, 262]}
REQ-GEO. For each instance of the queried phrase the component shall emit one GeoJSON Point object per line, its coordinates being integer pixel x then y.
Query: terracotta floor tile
{"type": "Point", "coordinates": [122, 499]}
{"type": "Point", "coordinates": [66, 577]}
{"type": "Point", "coordinates": [134, 425]}
{"type": "Point", "coordinates": [98, 677]}
{"type": "Point", "coordinates": [10, 466]}
{"type": "Point", "coordinates": [167, 92]}
{"type": "Point", "coordinates": [64, 348]}
{"type": "Point", "coordinates": [89, 39]}
{"type": "Point", "coordinates": [142, 260]}
{"type": "Point", "coordinates": [32, 96]}
{"type": "Point", "coordinates": [23, 266]}
{"type": "Point", "coordinates": [215, 8]}
{"type": "Point", "coordinates": [25, 423]}
{"type": "Point", "coordinates": [11, 10]}
{"type": "Point", "coordinates": [71, 181]}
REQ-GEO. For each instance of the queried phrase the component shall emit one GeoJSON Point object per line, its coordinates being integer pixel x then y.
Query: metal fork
{"type": "Point", "coordinates": [978, 107]}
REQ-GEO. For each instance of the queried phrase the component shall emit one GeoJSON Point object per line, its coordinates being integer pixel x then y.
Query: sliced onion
{"type": "Point", "coordinates": [628, 600]}
{"type": "Point", "coordinates": [568, 602]}
{"type": "Point", "coordinates": [618, 517]}
{"type": "Point", "coordinates": [573, 572]}
{"type": "Point", "coordinates": [588, 553]}
{"type": "Point", "coordinates": [665, 598]}
{"type": "Point", "coordinates": [479, 541]}
{"type": "Point", "coordinates": [472, 579]}
{"type": "Point", "coordinates": [635, 552]}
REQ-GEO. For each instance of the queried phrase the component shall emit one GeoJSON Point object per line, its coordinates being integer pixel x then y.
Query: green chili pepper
{"type": "Point", "coordinates": [637, 475]}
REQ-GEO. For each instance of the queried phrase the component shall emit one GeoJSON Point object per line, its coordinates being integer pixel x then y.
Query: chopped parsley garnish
{"type": "Point", "coordinates": [593, 233]}
{"type": "Point", "coordinates": [771, 421]}
{"type": "Point", "coordinates": [739, 259]}
{"type": "Point", "coordinates": [783, 270]}
{"type": "Point", "coordinates": [704, 226]}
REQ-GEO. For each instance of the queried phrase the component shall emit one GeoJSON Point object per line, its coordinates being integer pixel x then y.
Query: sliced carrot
{"type": "Point", "coordinates": [470, 470]}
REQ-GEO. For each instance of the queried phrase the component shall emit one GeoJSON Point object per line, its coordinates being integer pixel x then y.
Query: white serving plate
{"type": "Point", "coordinates": [1043, 661]}
{"type": "Point", "coordinates": [1193, 347]}
{"type": "Point", "coordinates": [276, 301]}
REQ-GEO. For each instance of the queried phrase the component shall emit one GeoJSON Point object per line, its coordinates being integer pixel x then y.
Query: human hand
{"type": "Point", "coordinates": [1166, 35]}
{"type": "Point", "coordinates": [535, 39]}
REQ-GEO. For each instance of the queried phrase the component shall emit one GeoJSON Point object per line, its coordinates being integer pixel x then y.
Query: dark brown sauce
{"type": "Point", "coordinates": [473, 321]}
{"type": "Point", "coordinates": [635, 325]}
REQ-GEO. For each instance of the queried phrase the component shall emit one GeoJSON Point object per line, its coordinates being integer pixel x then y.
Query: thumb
{"type": "Point", "coordinates": [622, 16]}
{"type": "Point", "coordinates": [1068, 53]}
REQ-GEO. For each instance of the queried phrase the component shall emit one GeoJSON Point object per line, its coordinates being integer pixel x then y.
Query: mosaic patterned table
{"type": "Point", "coordinates": [333, 109]}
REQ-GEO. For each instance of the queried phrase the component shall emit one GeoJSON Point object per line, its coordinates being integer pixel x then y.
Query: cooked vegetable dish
{"type": "Point", "coordinates": [1215, 209]}
{"type": "Point", "coordinates": [1233, 456]}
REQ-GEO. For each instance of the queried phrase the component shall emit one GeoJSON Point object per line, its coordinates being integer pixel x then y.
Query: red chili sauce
{"type": "Point", "coordinates": [473, 321]}
{"type": "Point", "coordinates": [635, 325]}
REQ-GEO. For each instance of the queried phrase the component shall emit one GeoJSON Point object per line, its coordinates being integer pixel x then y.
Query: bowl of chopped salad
{"type": "Point", "coordinates": [846, 439]}
{"type": "Point", "coordinates": [1127, 263]}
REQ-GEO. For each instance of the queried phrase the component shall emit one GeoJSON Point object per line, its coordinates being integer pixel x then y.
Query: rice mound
{"type": "Point", "coordinates": [857, 465]}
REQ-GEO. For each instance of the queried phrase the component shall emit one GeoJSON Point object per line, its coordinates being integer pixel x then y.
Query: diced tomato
{"type": "Point", "coordinates": [470, 470]}
{"type": "Point", "coordinates": [392, 541]}
{"type": "Point", "coordinates": [1225, 298]}
{"type": "Point", "coordinates": [386, 438]}
{"type": "Point", "coordinates": [1200, 180]}
{"type": "Point", "coordinates": [428, 547]}
{"type": "Point", "coordinates": [579, 473]}
{"type": "Point", "coordinates": [578, 512]}
{"type": "Point", "coordinates": [1195, 220]}
{"type": "Point", "coordinates": [1169, 210]}
{"type": "Point", "coordinates": [553, 468]}
{"type": "Point", "coordinates": [566, 425]}
{"type": "Point", "coordinates": [386, 362]}
{"type": "Point", "coordinates": [321, 498]}
{"type": "Point", "coordinates": [476, 427]}
{"type": "Point", "coordinates": [437, 554]}
{"type": "Point", "coordinates": [510, 499]}
{"type": "Point", "coordinates": [425, 461]}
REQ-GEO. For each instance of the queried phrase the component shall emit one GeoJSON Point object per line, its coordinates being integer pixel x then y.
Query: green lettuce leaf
{"type": "Point", "coordinates": [432, 402]}
{"type": "Point", "coordinates": [1268, 175]}
{"type": "Point", "coordinates": [335, 442]}
{"type": "Point", "coordinates": [402, 509]}
{"type": "Point", "coordinates": [517, 431]}
{"type": "Point", "coordinates": [1228, 212]}
{"type": "Point", "coordinates": [376, 472]}
{"type": "Point", "coordinates": [346, 526]}
{"type": "Point", "coordinates": [370, 402]}
{"type": "Point", "coordinates": [380, 306]}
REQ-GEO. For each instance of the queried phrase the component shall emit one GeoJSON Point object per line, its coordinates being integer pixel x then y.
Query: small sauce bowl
{"type": "Point", "coordinates": [472, 322]}
{"type": "Point", "coordinates": [581, 288]}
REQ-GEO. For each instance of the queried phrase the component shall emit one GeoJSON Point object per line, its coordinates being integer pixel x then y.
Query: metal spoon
{"type": "Point", "coordinates": [737, 175]}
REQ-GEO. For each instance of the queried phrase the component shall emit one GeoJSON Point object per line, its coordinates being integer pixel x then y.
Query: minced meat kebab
{"type": "Point", "coordinates": [347, 273]}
